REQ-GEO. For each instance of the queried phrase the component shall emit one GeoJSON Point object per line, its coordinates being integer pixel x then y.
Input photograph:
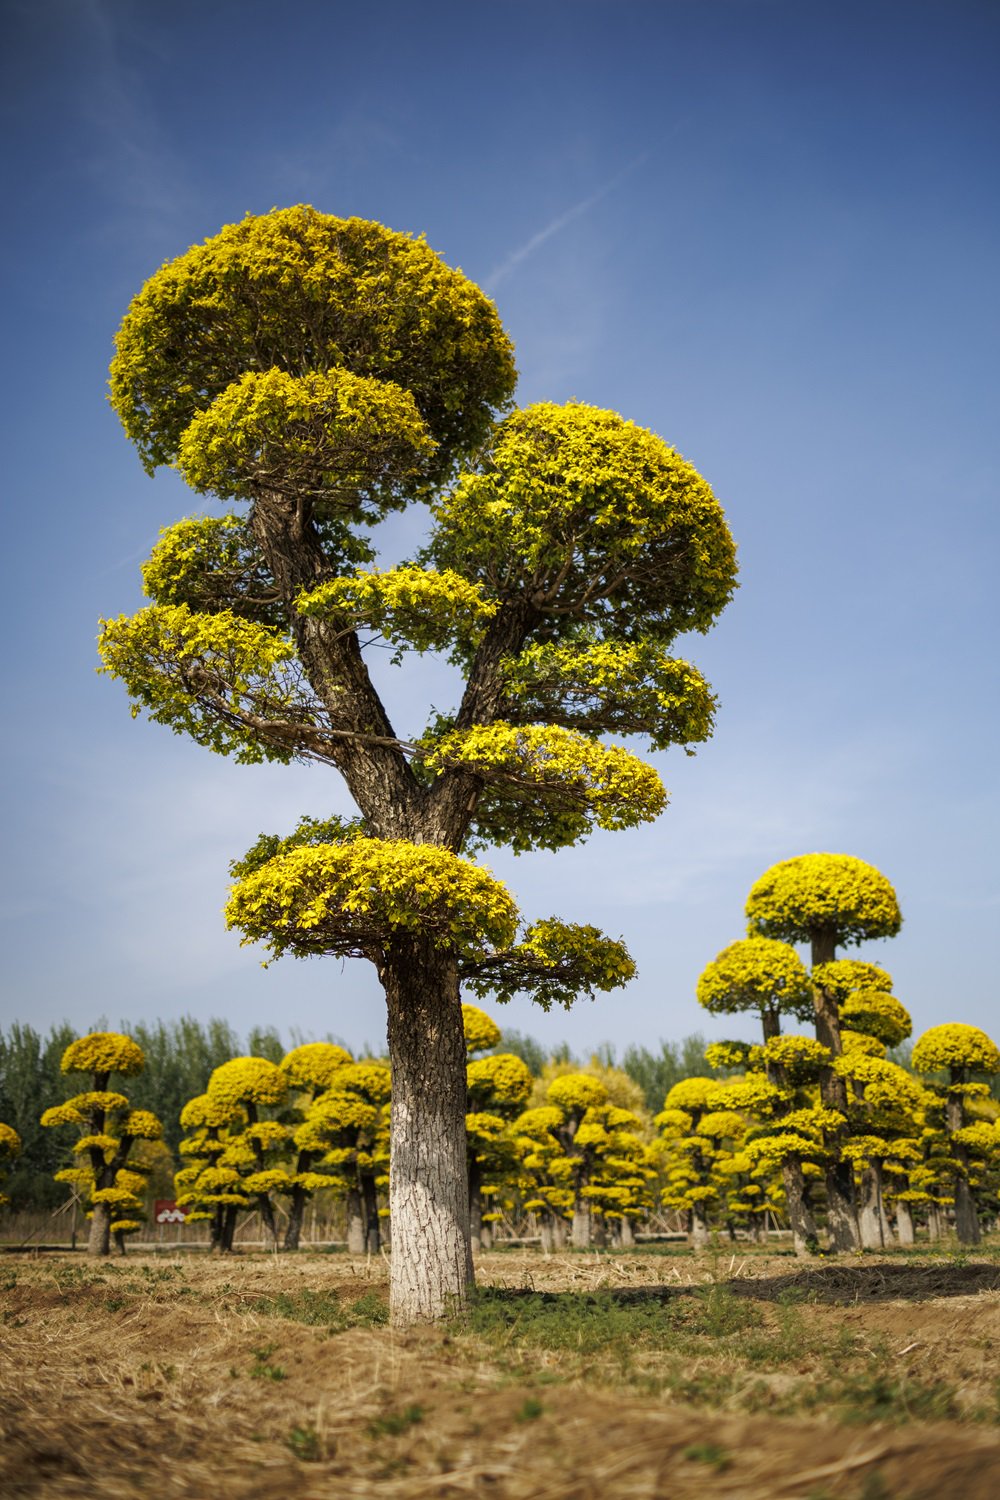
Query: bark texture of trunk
{"type": "Point", "coordinates": [431, 1263]}
{"type": "Point", "coordinates": [580, 1233]}
{"type": "Point", "coordinates": [801, 1221]}
{"type": "Point", "coordinates": [699, 1226]}
{"type": "Point", "coordinates": [355, 1222]}
{"type": "Point", "coordinates": [966, 1217]}
{"type": "Point", "coordinates": [369, 1194]}
{"type": "Point", "coordinates": [904, 1223]}
{"type": "Point", "coordinates": [870, 1211]}
{"type": "Point", "coordinates": [296, 1214]}
{"type": "Point", "coordinates": [99, 1239]}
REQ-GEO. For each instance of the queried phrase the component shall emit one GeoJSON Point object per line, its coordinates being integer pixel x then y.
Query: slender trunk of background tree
{"type": "Point", "coordinates": [966, 1217]}
{"type": "Point", "coordinates": [355, 1222]}
{"type": "Point", "coordinates": [553, 1232]}
{"type": "Point", "coordinates": [699, 1226]}
{"type": "Point", "coordinates": [869, 1218]}
{"type": "Point", "coordinates": [269, 1228]}
{"type": "Point", "coordinates": [599, 1231]}
{"type": "Point", "coordinates": [841, 1211]}
{"type": "Point", "coordinates": [215, 1228]}
{"type": "Point", "coordinates": [933, 1222]}
{"type": "Point", "coordinates": [475, 1204]}
{"type": "Point", "coordinates": [369, 1193]}
{"type": "Point", "coordinates": [626, 1234]}
{"type": "Point", "coordinates": [580, 1232]}
{"type": "Point", "coordinates": [800, 1219]}
{"type": "Point", "coordinates": [904, 1223]}
{"type": "Point", "coordinates": [431, 1264]}
{"type": "Point", "coordinates": [296, 1215]}
{"type": "Point", "coordinates": [228, 1228]}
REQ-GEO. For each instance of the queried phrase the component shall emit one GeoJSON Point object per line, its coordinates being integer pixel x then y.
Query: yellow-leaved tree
{"type": "Point", "coordinates": [315, 374]}
{"type": "Point", "coordinates": [107, 1129]}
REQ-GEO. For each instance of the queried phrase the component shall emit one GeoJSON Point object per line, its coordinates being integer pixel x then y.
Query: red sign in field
{"type": "Point", "coordinates": [165, 1211]}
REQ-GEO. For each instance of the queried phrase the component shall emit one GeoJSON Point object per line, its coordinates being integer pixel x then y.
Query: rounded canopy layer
{"type": "Point", "coordinates": [299, 291]}
{"type": "Point", "coordinates": [799, 898]}
{"type": "Point", "coordinates": [956, 1046]}
{"type": "Point", "coordinates": [104, 1052]}
{"type": "Point", "coordinates": [756, 974]}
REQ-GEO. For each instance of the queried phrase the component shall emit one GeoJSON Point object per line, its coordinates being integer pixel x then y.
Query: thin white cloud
{"type": "Point", "coordinates": [521, 254]}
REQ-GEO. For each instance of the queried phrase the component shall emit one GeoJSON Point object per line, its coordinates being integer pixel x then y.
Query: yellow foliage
{"type": "Point", "coordinates": [103, 1052]}
{"type": "Point", "coordinates": [481, 1031]}
{"type": "Point", "coordinates": [336, 898]}
{"type": "Point", "coordinates": [823, 892]}
{"type": "Point", "coordinates": [957, 1048]}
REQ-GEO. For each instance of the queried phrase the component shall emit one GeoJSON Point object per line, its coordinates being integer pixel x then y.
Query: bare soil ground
{"type": "Point", "coordinates": [578, 1377]}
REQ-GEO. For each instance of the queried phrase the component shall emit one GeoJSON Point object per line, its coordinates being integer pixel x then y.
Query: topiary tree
{"type": "Point", "coordinates": [108, 1129]}
{"type": "Point", "coordinates": [760, 975]}
{"type": "Point", "coordinates": [322, 373]}
{"type": "Point", "coordinates": [246, 1085]}
{"type": "Point", "coordinates": [308, 1071]}
{"type": "Point", "coordinates": [205, 1188]}
{"type": "Point", "coordinates": [498, 1090]}
{"type": "Point", "coordinates": [347, 1128]}
{"type": "Point", "coordinates": [10, 1146]}
{"type": "Point", "coordinates": [966, 1055]}
{"type": "Point", "coordinates": [828, 901]}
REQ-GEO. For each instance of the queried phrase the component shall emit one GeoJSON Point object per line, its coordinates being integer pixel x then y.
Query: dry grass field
{"type": "Point", "coordinates": [573, 1377]}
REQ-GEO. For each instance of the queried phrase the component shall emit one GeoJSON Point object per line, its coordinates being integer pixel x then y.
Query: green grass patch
{"type": "Point", "coordinates": [396, 1422]}
{"type": "Point", "coordinates": [324, 1309]}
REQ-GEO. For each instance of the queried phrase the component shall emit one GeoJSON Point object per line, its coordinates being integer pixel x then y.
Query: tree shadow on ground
{"type": "Point", "coordinates": [832, 1284]}
{"type": "Point", "coordinates": [877, 1283]}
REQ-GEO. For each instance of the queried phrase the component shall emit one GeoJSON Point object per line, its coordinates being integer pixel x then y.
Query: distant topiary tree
{"type": "Point", "coordinates": [308, 1071]}
{"type": "Point", "coordinates": [828, 901]}
{"type": "Point", "coordinates": [498, 1089]}
{"type": "Point", "coordinates": [247, 1085]}
{"type": "Point", "coordinates": [10, 1146]}
{"type": "Point", "coordinates": [966, 1056]}
{"type": "Point", "coordinates": [108, 1129]}
{"type": "Point", "coordinates": [346, 1131]}
{"type": "Point", "coordinates": [205, 1186]}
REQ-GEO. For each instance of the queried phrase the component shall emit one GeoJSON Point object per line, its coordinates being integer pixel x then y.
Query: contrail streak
{"type": "Point", "coordinates": [515, 258]}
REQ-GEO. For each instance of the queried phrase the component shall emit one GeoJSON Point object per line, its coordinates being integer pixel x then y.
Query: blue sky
{"type": "Point", "coordinates": [766, 229]}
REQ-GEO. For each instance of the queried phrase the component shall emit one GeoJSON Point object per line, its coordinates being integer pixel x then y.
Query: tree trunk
{"type": "Point", "coordinates": [475, 1204]}
{"type": "Point", "coordinates": [966, 1217]}
{"type": "Point", "coordinates": [580, 1233]}
{"type": "Point", "coordinates": [933, 1222]}
{"type": "Point", "coordinates": [869, 1216]}
{"type": "Point", "coordinates": [99, 1240]}
{"type": "Point", "coordinates": [841, 1210]}
{"type": "Point", "coordinates": [228, 1228]}
{"type": "Point", "coordinates": [904, 1223]}
{"type": "Point", "coordinates": [800, 1219]}
{"type": "Point", "coordinates": [355, 1222]}
{"type": "Point", "coordinates": [626, 1234]}
{"type": "Point", "coordinates": [431, 1264]}
{"type": "Point", "coordinates": [699, 1226]}
{"type": "Point", "coordinates": [269, 1228]}
{"type": "Point", "coordinates": [296, 1214]}
{"type": "Point", "coordinates": [546, 1233]}
{"type": "Point", "coordinates": [369, 1193]}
